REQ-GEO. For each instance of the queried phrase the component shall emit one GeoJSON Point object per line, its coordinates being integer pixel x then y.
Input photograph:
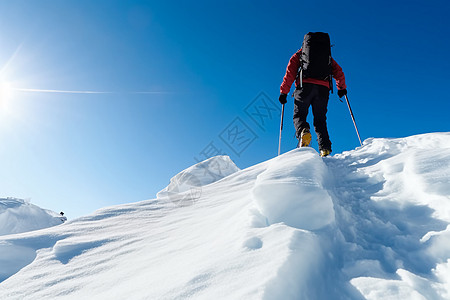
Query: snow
{"type": "Point", "coordinates": [371, 223]}
{"type": "Point", "coordinates": [193, 178]}
{"type": "Point", "coordinates": [276, 191]}
{"type": "Point", "coordinates": [18, 215]}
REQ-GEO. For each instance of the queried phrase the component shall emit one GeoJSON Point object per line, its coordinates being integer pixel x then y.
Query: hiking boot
{"type": "Point", "coordinates": [325, 152]}
{"type": "Point", "coordinates": [305, 138]}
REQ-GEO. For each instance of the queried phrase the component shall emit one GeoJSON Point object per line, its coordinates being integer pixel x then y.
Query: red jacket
{"type": "Point", "coordinates": [294, 65]}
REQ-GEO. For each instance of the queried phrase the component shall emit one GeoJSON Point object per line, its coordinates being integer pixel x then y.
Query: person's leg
{"type": "Point", "coordinates": [302, 101]}
{"type": "Point", "coordinates": [319, 107]}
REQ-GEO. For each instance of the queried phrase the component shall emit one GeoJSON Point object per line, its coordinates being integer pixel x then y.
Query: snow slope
{"type": "Point", "coordinates": [17, 215]}
{"type": "Point", "coordinates": [372, 223]}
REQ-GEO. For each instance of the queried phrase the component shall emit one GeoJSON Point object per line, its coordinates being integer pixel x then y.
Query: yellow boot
{"type": "Point", "coordinates": [305, 138]}
{"type": "Point", "coordinates": [325, 152]}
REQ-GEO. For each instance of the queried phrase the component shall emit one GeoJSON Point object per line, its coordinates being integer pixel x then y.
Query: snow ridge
{"type": "Point", "coordinates": [285, 191]}
{"type": "Point", "coordinates": [18, 215]}
{"type": "Point", "coordinates": [372, 223]}
{"type": "Point", "coordinates": [189, 182]}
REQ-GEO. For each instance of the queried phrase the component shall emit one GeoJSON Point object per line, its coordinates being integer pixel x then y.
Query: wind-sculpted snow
{"type": "Point", "coordinates": [371, 223]}
{"type": "Point", "coordinates": [17, 215]}
{"type": "Point", "coordinates": [393, 199]}
{"type": "Point", "coordinates": [13, 258]}
{"type": "Point", "coordinates": [189, 182]}
{"type": "Point", "coordinates": [291, 191]}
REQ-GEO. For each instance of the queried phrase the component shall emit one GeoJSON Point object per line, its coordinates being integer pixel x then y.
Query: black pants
{"type": "Point", "coordinates": [316, 96]}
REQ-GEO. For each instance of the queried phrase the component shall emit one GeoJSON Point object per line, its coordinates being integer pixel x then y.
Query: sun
{"type": "Point", "coordinates": [3, 93]}
{"type": "Point", "coordinates": [6, 94]}
{"type": "Point", "coordinates": [6, 89]}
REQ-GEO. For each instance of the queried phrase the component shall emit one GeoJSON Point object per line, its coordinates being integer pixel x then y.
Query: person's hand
{"type": "Point", "coordinates": [342, 93]}
{"type": "Point", "coordinates": [282, 98]}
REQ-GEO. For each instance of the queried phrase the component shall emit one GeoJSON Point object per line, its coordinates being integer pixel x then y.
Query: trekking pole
{"type": "Point", "coordinates": [353, 118]}
{"type": "Point", "coordinates": [281, 128]}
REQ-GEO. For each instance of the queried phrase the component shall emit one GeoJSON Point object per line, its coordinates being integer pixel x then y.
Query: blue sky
{"type": "Point", "coordinates": [173, 79]}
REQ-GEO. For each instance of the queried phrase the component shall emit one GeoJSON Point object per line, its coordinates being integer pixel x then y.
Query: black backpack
{"type": "Point", "coordinates": [315, 61]}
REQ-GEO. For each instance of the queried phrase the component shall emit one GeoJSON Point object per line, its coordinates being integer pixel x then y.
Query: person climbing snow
{"type": "Point", "coordinates": [312, 68]}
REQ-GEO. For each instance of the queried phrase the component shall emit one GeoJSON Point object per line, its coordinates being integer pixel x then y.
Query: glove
{"type": "Point", "coordinates": [342, 93]}
{"type": "Point", "coordinates": [282, 98]}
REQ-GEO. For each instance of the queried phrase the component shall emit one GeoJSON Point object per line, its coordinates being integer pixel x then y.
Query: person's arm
{"type": "Point", "coordinates": [291, 73]}
{"type": "Point", "coordinates": [338, 75]}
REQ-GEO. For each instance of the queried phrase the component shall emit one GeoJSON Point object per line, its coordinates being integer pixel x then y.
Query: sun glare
{"type": "Point", "coordinates": [6, 94]}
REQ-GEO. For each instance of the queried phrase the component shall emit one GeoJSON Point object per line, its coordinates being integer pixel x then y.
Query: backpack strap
{"type": "Point", "coordinates": [331, 83]}
{"type": "Point", "coordinates": [300, 69]}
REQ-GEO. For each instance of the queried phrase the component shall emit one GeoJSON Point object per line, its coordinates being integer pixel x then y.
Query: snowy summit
{"type": "Point", "coordinates": [372, 223]}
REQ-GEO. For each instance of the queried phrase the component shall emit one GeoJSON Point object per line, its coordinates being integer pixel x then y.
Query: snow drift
{"type": "Point", "coordinates": [17, 215]}
{"type": "Point", "coordinates": [372, 223]}
{"type": "Point", "coordinates": [191, 180]}
{"type": "Point", "coordinates": [285, 191]}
